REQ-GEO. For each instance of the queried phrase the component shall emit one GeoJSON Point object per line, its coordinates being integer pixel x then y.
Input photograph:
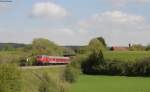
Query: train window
{"type": "Point", "coordinates": [39, 56]}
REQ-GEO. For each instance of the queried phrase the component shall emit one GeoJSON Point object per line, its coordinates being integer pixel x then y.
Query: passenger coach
{"type": "Point", "coordinates": [44, 59]}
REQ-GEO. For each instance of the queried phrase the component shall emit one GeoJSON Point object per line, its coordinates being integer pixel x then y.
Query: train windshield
{"type": "Point", "coordinates": [41, 56]}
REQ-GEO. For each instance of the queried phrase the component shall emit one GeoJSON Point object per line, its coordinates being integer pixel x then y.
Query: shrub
{"type": "Point", "coordinates": [142, 68]}
{"type": "Point", "coordinates": [96, 44]}
{"type": "Point", "coordinates": [73, 70]}
{"type": "Point", "coordinates": [102, 40]}
{"type": "Point", "coordinates": [10, 78]}
{"type": "Point", "coordinates": [95, 64]}
{"type": "Point", "coordinates": [71, 74]}
{"type": "Point", "coordinates": [44, 46]}
{"type": "Point", "coordinates": [115, 67]}
{"type": "Point", "coordinates": [52, 84]}
{"type": "Point", "coordinates": [137, 47]}
{"type": "Point", "coordinates": [128, 68]}
{"type": "Point", "coordinates": [77, 61]}
{"type": "Point", "coordinates": [147, 48]}
{"type": "Point", "coordinates": [27, 61]}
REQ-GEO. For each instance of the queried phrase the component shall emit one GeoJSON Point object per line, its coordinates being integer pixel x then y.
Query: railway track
{"type": "Point", "coordinates": [39, 67]}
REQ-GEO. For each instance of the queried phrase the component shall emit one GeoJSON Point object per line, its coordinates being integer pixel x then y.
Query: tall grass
{"type": "Point", "coordinates": [36, 80]}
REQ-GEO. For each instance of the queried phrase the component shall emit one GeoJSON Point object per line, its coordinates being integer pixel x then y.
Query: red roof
{"type": "Point", "coordinates": [117, 48]}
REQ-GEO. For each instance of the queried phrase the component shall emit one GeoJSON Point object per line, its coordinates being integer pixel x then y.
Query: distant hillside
{"type": "Point", "coordinates": [14, 45]}
{"type": "Point", "coordinates": [18, 45]}
{"type": "Point", "coordinates": [73, 47]}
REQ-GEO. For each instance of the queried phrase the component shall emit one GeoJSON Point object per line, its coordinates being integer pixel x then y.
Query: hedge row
{"type": "Point", "coordinates": [95, 64]}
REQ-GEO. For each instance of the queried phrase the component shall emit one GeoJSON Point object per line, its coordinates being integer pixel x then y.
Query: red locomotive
{"type": "Point", "coordinates": [44, 59]}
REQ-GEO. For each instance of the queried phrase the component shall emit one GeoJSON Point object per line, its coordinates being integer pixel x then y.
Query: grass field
{"type": "Point", "coordinates": [127, 55]}
{"type": "Point", "coordinates": [111, 84]}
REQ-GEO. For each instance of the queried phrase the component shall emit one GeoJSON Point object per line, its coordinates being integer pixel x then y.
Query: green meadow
{"type": "Point", "coordinates": [126, 55]}
{"type": "Point", "coordinates": [111, 84]}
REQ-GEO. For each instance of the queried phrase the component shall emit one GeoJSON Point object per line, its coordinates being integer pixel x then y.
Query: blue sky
{"type": "Point", "coordinates": [75, 22]}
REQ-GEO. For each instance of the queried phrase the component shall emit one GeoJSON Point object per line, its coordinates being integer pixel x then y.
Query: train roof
{"type": "Point", "coordinates": [62, 57]}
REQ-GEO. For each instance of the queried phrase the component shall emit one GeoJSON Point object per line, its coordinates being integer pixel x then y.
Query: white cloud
{"type": "Point", "coordinates": [113, 19]}
{"type": "Point", "coordinates": [117, 27]}
{"type": "Point", "coordinates": [124, 2]}
{"type": "Point", "coordinates": [49, 10]}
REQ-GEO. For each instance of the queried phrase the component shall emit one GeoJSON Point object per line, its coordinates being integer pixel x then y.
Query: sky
{"type": "Point", "coordinates": [76, 22]}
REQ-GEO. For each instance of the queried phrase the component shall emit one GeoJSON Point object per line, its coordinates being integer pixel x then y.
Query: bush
{"type": "Point", "coordinates": [142, 68]}
{"type": "Point", "coordinates": [147, 48]}
{"type": "Point", "coordinates": [139, 68]}
{"type": "Point", "coordinates": [27, 61]}
{"type": "Point", "coordinates": [71, 74]}
{"type": "Point", "coordinates": [10, 78]}
{"type": "Point", "coordinates": [115, 67]}
{"type": "Point", "coordinates": [52, 84]}
{"type": "Point", "coordinates": [73, 70]}
{"type": "Point", "coordinates": [96, 44]}
{"type": "Point", "coordinates": [137, 47]}
{"type": "Point", "coordinates": [95, 64]}
{"type": "Point", "coordinates": [102, 40]}
{"type": "Point", "coordinates": [44, 46]}
{"type": "Point", "coordinates": [128, 68]}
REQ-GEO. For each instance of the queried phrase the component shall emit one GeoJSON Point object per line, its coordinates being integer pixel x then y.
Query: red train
{"type": "Point", "coordinates": [44, 59]}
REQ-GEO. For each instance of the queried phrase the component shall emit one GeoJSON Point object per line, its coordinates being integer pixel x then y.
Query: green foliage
{"type": "Point", "coordinates": [27, 48]}
{"type": "Point", "coordinates": [27, 61]}
{"type": "Point", "coordinates": [68, 52]}
{"type": "Point", "coordinates": [33, 78]}
{"type": "Point", "coordinates": [83, 50]}
{"type": "Point", "coordinates": [96, 44]}
{"type": "Point", "coordinates": [137, 47]}
{"type": "Point", "coordinates": [114, 67]}
{"type": "Point", "coordinates": [47, 84]}
{"type": "Point", "coordinates": [8, 47]}
{"type": "Point", "coordinates": [141, 68]}
{"type": "Point", "coordinates": [73, 70]}
{"type": "Point", "coordinates": [101, 39]}
{"type": "Point", "coordinates": [51, 84]}
{"type": "Point", "coordinates": [71, 73]}
{"type": "Point", "coordinates": [147, 48]}
{"type": "Point", "coordinates": [10, 78]}
{"type": "Point", "coordinates": [94, 63]}
{"type": "Point", "coordinates": [44, 46]}
{"type": "Point", "coordinates": [11, 56]}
